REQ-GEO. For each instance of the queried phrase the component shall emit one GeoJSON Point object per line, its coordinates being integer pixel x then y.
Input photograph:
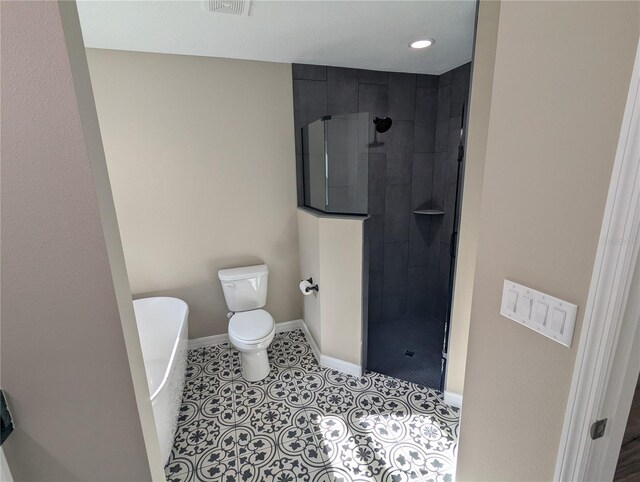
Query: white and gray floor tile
{"type": "Point", "coordinates": [307, 423]}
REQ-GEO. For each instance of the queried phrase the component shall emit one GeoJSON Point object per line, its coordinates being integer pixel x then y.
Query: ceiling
{"type": "Point", "coordinates": [357, 33]}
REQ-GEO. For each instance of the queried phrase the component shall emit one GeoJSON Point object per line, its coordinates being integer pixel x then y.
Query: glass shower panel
{"type": "Point", "coordinates": [347, 165]}
{"type": "Point", "coordinates": [315, 185]}
{"type": "Point", "coordinates": [336, 161]}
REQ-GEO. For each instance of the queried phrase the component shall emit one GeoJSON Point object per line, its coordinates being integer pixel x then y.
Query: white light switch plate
{"type": "Point", "coordinates": [545, 314]}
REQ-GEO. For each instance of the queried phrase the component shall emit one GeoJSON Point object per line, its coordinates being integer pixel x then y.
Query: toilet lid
{"type": "Point", "coordinates": [251, 325]}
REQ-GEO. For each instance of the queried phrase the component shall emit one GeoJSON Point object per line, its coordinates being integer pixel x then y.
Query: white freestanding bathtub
{"type": "Point", "coordinates": [163, 328]}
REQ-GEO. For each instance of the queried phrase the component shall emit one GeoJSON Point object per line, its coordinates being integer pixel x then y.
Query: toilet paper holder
{"type": "Point", "coordinates": [313, 287]}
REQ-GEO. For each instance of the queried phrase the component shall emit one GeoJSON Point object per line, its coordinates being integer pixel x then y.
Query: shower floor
{"type": "Point", "coordinates": [389, 340]}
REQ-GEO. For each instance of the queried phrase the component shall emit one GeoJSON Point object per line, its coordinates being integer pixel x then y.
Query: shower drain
{"type": "Point", "coordinates": [409, 353]}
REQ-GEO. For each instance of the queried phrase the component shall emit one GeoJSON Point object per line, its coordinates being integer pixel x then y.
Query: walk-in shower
{"type": "Point", "coordinates": [392, 148]}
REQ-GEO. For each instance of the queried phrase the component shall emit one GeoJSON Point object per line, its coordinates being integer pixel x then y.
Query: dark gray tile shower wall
{"type": "Point", "coordinates": [453, 92]}
{"type": "Point", "coordinates": [415, 167]}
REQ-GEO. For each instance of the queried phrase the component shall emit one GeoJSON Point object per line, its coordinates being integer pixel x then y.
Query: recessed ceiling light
{"type": "Point", "coordinates": [421, 44]}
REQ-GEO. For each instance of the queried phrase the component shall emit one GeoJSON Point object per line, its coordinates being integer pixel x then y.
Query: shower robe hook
{"type": "Point", "coordinates": [312, 288]}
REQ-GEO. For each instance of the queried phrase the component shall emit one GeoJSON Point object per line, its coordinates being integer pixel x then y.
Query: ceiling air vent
{"type": "Point", "coordinates": [231, 7]}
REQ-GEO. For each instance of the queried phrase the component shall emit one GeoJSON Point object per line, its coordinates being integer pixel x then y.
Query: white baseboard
{"type": "Point", "coordinates": [223, 338]}
{"type": "Point", "coordinates": [453, 399]}
{"type": "Point", "coordinates": [289, 326]}
{"type": "Point", "coordinates": [208, 341]}
{"type": "Point", "coordinates": [323, 360]}
{"type": "Point", "coordinates": [341, 365]}
{"type": "Point", "coordinates": [330, 362]}
{"type": "Point", "coordinates": [312, 341]}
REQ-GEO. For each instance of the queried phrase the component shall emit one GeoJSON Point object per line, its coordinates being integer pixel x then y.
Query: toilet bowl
{"type": "Point", "coordinates": [251, 329]}
{"type": "Point", "coordinates": [251, 333]}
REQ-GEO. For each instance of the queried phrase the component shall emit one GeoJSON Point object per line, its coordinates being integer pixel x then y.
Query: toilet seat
{"type": "Point", "coordinates": [251, 326]}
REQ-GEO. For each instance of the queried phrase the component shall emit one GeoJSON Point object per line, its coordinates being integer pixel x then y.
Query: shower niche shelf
{"type": "Point", "coordinates": [429, 212]}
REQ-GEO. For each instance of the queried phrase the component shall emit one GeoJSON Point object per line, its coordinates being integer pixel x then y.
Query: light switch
{"type": "Point", "coordinates": [540, 316]}
{"type": "Point", "coordinates": [524, 307]}
{"type": "Point", "coordinates": [557, 320]}
{"type": "Point", "coordinates": [512, 297]}
{"type": "Point", "coordinates": [549, 316]}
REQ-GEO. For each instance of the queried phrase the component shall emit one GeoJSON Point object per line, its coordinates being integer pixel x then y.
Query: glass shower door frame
{"type": "Point", "coordinates": [345, 144]}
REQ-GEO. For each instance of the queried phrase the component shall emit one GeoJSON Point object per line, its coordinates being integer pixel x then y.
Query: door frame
{"type": "Point", "coordinates": [621, 389]}
{"type": "Point", "coordinates": [579, 457]}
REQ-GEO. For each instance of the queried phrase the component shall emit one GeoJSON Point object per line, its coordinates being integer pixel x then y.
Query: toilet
{"type": "Point", "coordinates": [251, 329]}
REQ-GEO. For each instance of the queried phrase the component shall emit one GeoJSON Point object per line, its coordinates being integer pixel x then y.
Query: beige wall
{"type": "Point", "coordinates": [341, 278]}
{"type": "Point", "coordinates": [479, 107]}
{"type": "Point", "coordinates": [332, 255]}
{"type": "Point", "coordinates": [561, 77]}
{"type": "Point", "coordinates": [65, 344]}
{"type": "Point", "coordinates": [309, 245]}
{"type": "Point", "coordinates": [201, 158]}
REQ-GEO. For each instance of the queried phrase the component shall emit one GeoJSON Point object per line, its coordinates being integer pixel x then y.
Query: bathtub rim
{"type": "Point", "coordinates": [174, 349]}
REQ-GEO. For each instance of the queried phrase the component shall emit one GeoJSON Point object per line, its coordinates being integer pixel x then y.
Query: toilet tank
{"type": "Point", "coordinates": [245, 288]}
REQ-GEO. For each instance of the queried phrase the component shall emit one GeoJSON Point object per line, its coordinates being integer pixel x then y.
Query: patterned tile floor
{"type": "Point", "coordinates": [307, 423]}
